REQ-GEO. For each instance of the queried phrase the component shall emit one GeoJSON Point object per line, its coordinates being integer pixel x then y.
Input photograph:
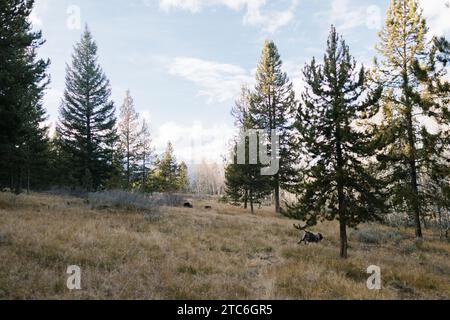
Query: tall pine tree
{"type": "Point", "coordinates": [128, 130]}
{"type": "Point", "coordinates": [144, 154]}
{"type": "Point", "coordinates": [336, 180]}
{"type": "Point", "coordinates": [87, 117]}
{"type": "Point", "coordinates": [272, 106]}
{"type": "Point", "coordinates": [435, 98]}
{"type": "Point", "coordinates": [183, 177]}
{"type": "Point", "coordinates": [23, 139]}
{"type": "Point", "coordinates": [244, 181]}
{"type": "Point", "coordinates": [404, 69]}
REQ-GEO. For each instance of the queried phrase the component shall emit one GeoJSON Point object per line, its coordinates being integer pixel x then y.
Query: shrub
{"type": "Point", "coordinates": [394, 236]}
{"type": "Point", "coordinates": [368, 235]}
{"type": "Point", "coordinates": [133, 201]}
{"type": "Point", "coordinates": [373, 235]}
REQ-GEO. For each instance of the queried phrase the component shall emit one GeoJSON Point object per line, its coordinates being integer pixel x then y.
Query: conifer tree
{"type": "Point", "coordinates": [435, 99]}
{"type": "Point", "coordinates": [406, 65]}
{"type": "Point", "coordinates": [272, 107]}
{"type": "Point", "coordinates": [244, 181]}
{"type": "Point", "coordinates": [183, 177]}
{"type": "Point", "coordinates": [128, 131]}
{"type": "Point", "coordinates": [24, 147]}
{"type": "Point", "coordinates": [144, 154]}
{"type": "Point", "coordinates": [164, 178]}
{"type": "Point", "coordinates": [87, 117]}
{"type": "Point", "coordinates": [336, 180]}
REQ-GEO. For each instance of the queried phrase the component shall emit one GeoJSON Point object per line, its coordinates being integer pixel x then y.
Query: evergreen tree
{"type": "Point", "coordinates": [24, 145]}
{"type": "Point", "coordinates": [183, 177]}
{"type": "Point", "coordinates": [60, 162]}
{"type": "Point", "coordinates": [144, 154]}
{"type": "Point", "coordinates": [235, 189]}
{"type": "Point", "coordinates": [435, 99]}
{"type": "Point", "coordinates": [244, 182]}
{"type": "Point", "coordinates": [128, 130]}
{"type": "Point", "coordinates": [165, 176]}
{"type": "Point", "coordinates": [272, 106]}
{"type": "Point", "coordinates": [409, 145]}
{"type": "Point", "coordinates": [336, 179]}
{"type": "Point", "coordinates": [87, 117]}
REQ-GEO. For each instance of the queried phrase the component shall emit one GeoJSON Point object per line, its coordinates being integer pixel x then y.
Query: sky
{"type": "Point", "coordinates": [184, 61]}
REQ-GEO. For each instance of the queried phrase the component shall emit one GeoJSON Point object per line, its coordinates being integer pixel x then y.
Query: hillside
{"type": "Point", "coordinates": [223, 253]}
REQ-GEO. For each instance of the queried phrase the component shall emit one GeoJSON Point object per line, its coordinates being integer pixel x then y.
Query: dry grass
{"type": "Point", "coordinates": [224, 253]}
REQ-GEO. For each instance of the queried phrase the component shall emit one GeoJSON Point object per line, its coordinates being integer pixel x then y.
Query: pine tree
{"type": "Point", "coordinates": [23, 139]}
{"type": "Point", "coordinates": [87, 117]}
{"type": "Point", "coordinates": [244, 182]}
{"type": "Point", "coordinates": [235, 189]}
{"type": "Point", "coordinates": [272, 107]}
{"type": "Point", "coordinates": [165, 176]}
{"type": "Point", "coordinates": [236, 186]}
{"type": "Point", "coordinates": [128, 130]}
{"type": "Point", "coordinates": [144, 154]}
{"type": "Point", "coordinates": [336, 179]}
{"type": "Point", "coordinates": [405, 55]}
{"type": "Point", "coordinates": [183, 177]}
{"type": "Point", "coordinates": [435, 99]}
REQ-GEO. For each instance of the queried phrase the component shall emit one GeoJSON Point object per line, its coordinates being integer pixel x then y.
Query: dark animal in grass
{"type": "Point", "coordinates": [188, 205]}
{"type": "Point", "coordinates": [309, 237]}
{"type": "Point", "coordinates": [208, 207]}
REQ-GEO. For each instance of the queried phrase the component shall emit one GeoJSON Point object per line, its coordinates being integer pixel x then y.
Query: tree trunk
{"type": "Point", "coordinates": [28, 180]}
{"type": "Point", "coordinates": [246, 199]}
{"type": "Point", "coordinates": [342, 206]}
{"type": "Point", "coordinates": [277, 195]}
{"type": "Point", "coordinates": [144, 172]}
{"type": "Point", "coordinates": [343, 237]}
{"type": "Point", "coordinates": [18, 182]}
{"type": "Point", "coordinates": [411, 143]}
{"type": "Point", "coordinates": [414, 185]}
{"type": "Point", "coordinates": [251, 202]}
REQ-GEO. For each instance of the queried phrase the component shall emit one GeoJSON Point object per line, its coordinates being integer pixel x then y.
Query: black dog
{"type": "Point", "coordinates": [310, 237]}
{"type": "Point", "coordinates": [188, 205]}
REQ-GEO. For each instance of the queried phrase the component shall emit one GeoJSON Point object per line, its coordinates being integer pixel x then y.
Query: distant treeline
{"type": "Point", "coordinates": [92, 149]}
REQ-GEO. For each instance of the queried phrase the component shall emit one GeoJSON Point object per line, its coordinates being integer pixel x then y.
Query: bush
{"type": "Point", "coordinates": [367, 235]}
{"type": "Point", "coordinates": [133, 201]}
{"type": "Point", "coordinates": [371, 235]}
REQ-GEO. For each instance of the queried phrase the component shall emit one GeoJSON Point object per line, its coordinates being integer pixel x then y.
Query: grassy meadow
{"type": "Point", "coordinates": [223, 253]}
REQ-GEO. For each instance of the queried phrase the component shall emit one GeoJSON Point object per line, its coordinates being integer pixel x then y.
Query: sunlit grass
{"type": "Point", "coordinates": [223, 253]}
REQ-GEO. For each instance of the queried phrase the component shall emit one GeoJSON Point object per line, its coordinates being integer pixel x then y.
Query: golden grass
{"type": "Point", "coordinates": [224, 253]}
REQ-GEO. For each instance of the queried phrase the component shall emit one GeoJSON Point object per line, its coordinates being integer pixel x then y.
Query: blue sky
{"type": "Point", "coordinates": [184, 60]}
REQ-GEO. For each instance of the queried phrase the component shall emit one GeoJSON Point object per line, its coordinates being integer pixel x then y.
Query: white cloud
{"type": "Point", "coordinates": [35, 19]}
{"type": "Point", "coordinates": [146, 115]}
{"type": "Point", "coordinates": [294, 69]}
{"type": "Point", "coordinates": [437, 13]}
{"type": "Point", "coordinates": [39, 10]}
{"type": "Point", "coordinates": [270, 21]}
{"type": "Point", "coordinates": [219, 82]}
{"type": "Point", "coordinates": [195, 143]}
{"type": "Point", "coordinates": [345, 15]}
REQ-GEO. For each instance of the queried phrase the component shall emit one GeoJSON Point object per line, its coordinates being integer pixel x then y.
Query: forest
{"type": "Point", "coordinates": [360, 145]}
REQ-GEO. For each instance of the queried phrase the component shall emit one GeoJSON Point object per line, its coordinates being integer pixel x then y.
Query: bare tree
{"type": "Point", "coordinates": [128, 130]}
